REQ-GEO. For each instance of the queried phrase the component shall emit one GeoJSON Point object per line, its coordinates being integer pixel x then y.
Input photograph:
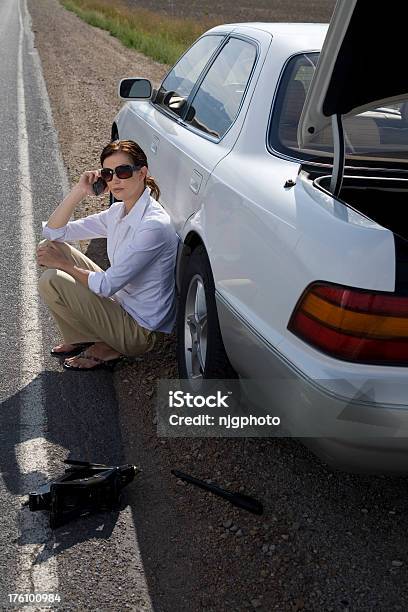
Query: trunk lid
{"type": "Point", "coordinates": [361, 66]}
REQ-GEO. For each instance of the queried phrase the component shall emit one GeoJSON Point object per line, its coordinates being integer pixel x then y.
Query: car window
{"type": "Point", "coordinates": [289, 102]}
{"type": "Point", "coordinates": [379, 133]}
{"type": "Point", "coordinates": [217, 100]}
{"type": "Point", "coordinates": [180, 81]}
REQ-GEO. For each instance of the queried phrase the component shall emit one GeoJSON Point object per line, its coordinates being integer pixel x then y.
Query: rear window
{"type": "Point", "coordinates": [377, 134]}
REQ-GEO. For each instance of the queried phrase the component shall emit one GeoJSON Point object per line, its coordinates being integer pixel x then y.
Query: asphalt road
{"type": "Point", "coordinates": [46, 414]}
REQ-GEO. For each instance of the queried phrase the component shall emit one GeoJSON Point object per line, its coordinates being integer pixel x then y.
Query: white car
{"type": "Point", "coordinates": [286, 178]}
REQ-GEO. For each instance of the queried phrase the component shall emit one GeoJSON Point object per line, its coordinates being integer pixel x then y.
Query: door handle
{"type": "Point", "coordinates": [154, 145]}
{"type": "Point", "coordinates": [195, 181]}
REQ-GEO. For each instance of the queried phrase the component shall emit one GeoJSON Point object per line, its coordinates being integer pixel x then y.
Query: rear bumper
{"type": "Point", "coordinates": [365, 455]}
{"type": "Point", "coordinates": [354, 436]}
{"type": "Point", "coordinates": [345, 421]}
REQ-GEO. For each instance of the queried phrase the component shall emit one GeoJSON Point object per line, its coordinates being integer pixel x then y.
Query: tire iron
{"type": "Point", "coordinates": [236, 499]}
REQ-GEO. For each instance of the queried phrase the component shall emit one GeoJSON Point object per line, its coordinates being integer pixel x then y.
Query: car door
{"type": "Point", "coordinates": [196, 116]}
{"type": "Point", "coordinates": [208, 129]}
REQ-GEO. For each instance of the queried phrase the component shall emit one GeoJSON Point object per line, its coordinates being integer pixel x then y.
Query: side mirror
{"type": "Point", "coordinates": [135, 89]}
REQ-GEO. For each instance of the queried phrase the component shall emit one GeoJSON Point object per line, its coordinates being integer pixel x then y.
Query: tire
{"type": "Point", "coordinates": [197, 316]}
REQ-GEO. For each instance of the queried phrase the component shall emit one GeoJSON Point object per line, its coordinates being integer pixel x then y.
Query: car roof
{"type": "Point", "coordinates": [293, 36]}
{"type": "Point", "coordinates": [275, 27]}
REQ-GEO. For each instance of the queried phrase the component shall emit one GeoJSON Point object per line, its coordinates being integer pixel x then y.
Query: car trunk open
{"type": "Point", "coordinates": [360, 67]}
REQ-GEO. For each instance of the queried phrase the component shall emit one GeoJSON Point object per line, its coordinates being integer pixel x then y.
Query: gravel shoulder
{"type": "Point", "coordinates": [327, 541]}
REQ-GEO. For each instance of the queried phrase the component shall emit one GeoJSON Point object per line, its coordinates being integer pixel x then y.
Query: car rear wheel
{"type": "Point", "coordinates": [200, 349]}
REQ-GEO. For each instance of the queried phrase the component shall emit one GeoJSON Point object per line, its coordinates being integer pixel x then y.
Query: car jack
{"type": "Point", "coordinates": [84, 488]}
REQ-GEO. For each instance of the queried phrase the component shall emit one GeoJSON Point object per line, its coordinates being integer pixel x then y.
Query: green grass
{"type": "Point", "coordinates": [157, 36]}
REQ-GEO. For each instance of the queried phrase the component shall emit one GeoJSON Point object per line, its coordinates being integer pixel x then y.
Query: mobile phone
{"type": "Point", "coordinates": [99, 186]}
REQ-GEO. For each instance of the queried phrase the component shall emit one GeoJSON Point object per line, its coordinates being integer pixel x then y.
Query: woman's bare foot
{"type": "Point", "coordinates": [63, 348]}
{"type": "Point", "coordinates": [93, 355]}
{"type": "Point", "coordinates": [68, 350]}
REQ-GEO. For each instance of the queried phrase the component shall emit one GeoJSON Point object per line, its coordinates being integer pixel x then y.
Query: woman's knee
{"type": "Point", "coordinates": [47, 280]}
{"type": "Point", "coordinates": [63, 246]}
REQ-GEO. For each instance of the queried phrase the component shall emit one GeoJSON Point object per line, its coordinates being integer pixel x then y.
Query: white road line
{"type": "Point", "coordinates": [38, 566]}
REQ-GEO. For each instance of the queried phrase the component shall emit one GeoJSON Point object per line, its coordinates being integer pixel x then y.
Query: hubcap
{"type": "Point", "coordinates": [195, 328]}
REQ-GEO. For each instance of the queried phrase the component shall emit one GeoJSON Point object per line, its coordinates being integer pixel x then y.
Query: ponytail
{"type": "Point", "coordinates": [154, 188]}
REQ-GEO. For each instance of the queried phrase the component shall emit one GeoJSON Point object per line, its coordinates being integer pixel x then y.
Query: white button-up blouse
{"type": "Point", "coordinates": [142, 251]}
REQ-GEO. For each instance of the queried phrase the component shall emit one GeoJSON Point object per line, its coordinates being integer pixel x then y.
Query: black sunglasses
{"type": "Point", "coordinates": [124, 171]}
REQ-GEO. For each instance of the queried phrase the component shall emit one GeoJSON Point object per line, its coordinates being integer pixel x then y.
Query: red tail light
{"type": "Point", "coordinates": [353, 324]}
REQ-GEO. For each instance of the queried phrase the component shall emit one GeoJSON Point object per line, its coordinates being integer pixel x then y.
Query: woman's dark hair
{"type": "Point", "coordinates": [138, 156]}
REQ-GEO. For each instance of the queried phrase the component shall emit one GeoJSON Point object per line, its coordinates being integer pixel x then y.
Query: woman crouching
{"type": "Point", "coordinates": [113, 313]}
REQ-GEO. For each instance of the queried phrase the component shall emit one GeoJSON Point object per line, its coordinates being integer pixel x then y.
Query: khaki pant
{"type": "Point", "coordinates": [83, 316]}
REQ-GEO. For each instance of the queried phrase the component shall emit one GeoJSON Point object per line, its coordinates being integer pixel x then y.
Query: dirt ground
{"type": "Point", "coordinates": [230, 11]}
{"type": "Point", "coordinates": [326, 541]}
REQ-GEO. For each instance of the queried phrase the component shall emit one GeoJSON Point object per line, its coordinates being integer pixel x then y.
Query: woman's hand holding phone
{"type": "Point", "coordinates": [99, 186]}
{"type": "Point", "coordinates": [91, 183]}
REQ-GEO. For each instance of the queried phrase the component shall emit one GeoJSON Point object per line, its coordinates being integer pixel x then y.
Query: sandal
{"type": "Point", "coordinates": [78, 349]}
{"type": "Point", "coordinates": [100, 364]}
